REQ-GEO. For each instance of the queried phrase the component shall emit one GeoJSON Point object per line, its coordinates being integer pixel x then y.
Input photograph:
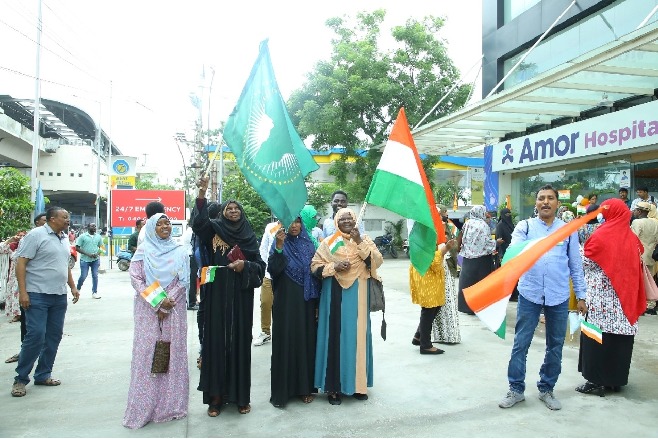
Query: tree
{"type": "Point", "coordinates": [145, 182]}
{"type": "Point", "coordinates": [352, 99]}
{"type": "Point", "coordinates": [15, 204]}
{"type": "Point", "coordinates": [319, 194]}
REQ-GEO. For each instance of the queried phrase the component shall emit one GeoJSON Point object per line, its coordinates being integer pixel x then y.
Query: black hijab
{"type": "Point", "coordinates": [237, 233]}
{"type": "Point", "coordinates": [505, 222]}
{"type": "Point", "coordinates": [590, 208]}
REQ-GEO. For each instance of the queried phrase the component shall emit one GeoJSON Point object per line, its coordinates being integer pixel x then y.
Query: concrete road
{"type": "Point", "coordinates": [450, 395]}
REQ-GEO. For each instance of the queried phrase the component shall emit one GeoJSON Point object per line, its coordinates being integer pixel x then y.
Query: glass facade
{"type": "Point", "coordinates": [603, 177]}
{"type": "Point", "coordinates": [618, 19]}
{"type": "Point", "coordinates": [514, 8]}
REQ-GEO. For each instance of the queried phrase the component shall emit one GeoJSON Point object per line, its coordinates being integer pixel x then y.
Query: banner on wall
{"type": "Point", "coordinates": [619, 131]}
{"type": "Point", "coordinates": [491, 195]}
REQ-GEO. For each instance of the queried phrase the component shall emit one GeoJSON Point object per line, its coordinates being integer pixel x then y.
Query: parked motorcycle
{"type": "Point", "coordinates": [405, 247]}
{"type": "Point", "coordinates": [385, 245]}
{"type": "Point", "coordinates": [73, 256]}
{"type": "Point", "coordinates": [123, 260]}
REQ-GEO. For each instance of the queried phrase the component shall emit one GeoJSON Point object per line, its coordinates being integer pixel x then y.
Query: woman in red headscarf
{"type": "Point", "coordinates": [615, 300]}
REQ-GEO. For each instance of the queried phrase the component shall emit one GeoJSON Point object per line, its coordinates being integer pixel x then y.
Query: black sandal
{"type": "Point", "coordinates": [334, 399]}
{"type": "Point", "coordinates": [213, 410]}
{"type": "Point", "coordinates": [590, 388]}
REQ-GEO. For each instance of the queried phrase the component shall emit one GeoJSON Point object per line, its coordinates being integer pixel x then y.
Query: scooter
{"type": "Point", "coordinates": [385, 245]}
{"type": "Point", "coordinates": [123, 260]}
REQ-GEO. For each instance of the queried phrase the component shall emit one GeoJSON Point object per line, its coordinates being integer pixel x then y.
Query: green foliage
{"type": "Point", "coordinates": [428, 166]}
{"type": "Point", "coordinates": [15, 204]}
{"type": "Point", "coordinates": [444, 193]}
{"type": "Point", "coordinates": [146, 182]}
{"type": "Point", "coordinates": [319, 194]}
{"type": "Point", "coordinates": [237, 188]}
{"type": "Point", "coordinates": [352, 99]}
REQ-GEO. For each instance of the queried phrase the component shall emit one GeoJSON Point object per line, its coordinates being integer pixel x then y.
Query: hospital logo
{"type": "Point", "coordinates": [508, 154]}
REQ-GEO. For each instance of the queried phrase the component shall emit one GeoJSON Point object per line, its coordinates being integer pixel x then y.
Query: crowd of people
{"type": "Point", "coordinates": [314, 288]}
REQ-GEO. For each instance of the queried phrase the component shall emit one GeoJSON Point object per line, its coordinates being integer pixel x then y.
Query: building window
{"type": "Point", "coordinates": [50, 174]}
{"type": "Point", "coordinates": [59, 174]}
{"type": "Point", "coordinates": [41, 173]}
{"type": "Point", "coordinates": [514, 8]}
{"type": "Point", "coordinates": [79, 175]}
{"type": "Point", "coordinates": [72, 174]}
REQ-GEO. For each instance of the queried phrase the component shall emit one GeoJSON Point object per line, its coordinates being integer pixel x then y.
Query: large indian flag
{"type": "Point", "coordinates": [489, 297]}
{"type": "Point", "coordinates": [400, 185]}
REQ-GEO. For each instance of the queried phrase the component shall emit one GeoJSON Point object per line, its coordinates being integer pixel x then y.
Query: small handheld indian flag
{"type": "Point", "coordinates": [592, 331]}
{"type": "Point", "coordinates": [335, 242]}
{"type": "Point", "coordinates": [208, 274]}
{"type": "Point", "coordinates": [275, 229]}
{"type": "Point", "coordinates": [154, 294]}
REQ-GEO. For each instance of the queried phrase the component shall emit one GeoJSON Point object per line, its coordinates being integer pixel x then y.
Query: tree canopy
{"type": "Point", "coordinates": [352, 99]}
{"type": "Point", "coordinates": [15, 204]}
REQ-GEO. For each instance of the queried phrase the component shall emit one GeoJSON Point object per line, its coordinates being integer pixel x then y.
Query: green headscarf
{"type": "Point", "coordinates": [308, 216]}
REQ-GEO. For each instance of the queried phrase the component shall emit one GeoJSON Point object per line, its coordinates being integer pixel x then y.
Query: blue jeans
{"type": "Point", "coordinates": [84, 271]}
{"type": "Point", "coordinates": [527, 318]}
{"type": "Point", "coordinates": [44, 320]}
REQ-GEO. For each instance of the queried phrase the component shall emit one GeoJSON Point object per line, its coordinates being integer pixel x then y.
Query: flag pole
{"type": "Point", "coordinates": [361, 213]}
{"type": "Point", "coordinates": [214, 156]}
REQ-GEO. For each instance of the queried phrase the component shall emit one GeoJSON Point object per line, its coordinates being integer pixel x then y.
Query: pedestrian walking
{"type": "Point", "coordinates": [89, 246]}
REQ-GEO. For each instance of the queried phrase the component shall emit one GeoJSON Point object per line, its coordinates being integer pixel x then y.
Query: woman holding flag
{"type": "Point", "coordinates": [615, 300]}
{"type": "Point", "coordinates": [294, 313]}
{"type": "Point", "coordinates": [344, 261]}
{"type": "Point", "coordinates": [159, 272]}
{"type": "Point", "coordinates": [236, 270]}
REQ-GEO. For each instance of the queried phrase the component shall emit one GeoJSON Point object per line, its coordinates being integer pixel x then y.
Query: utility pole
{"type": "Point", "coordinates": [37, 107]}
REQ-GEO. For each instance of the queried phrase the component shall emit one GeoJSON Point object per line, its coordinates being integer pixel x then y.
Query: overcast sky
{"type": "Point", "coordinates": [153, 54]}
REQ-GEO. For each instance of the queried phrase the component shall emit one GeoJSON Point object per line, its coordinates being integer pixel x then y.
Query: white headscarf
{"type": "Point", "coordinates": [164, 259]}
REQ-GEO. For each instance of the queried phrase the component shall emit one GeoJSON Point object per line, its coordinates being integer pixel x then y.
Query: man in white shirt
{"type": "Point", "coordinates": [266, 294]}
{"type": "Point", "coordinates": [642, 193]}
{"type": "Point", "coordinates": [338, 201]}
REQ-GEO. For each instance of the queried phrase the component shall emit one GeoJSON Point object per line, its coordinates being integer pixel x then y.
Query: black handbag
{"type": "Point", "coordinates": [377, 302]}
{"type": "Point", "coordinates": [376, 291]}
{"type": "Point", "coordinates": [161, 355]}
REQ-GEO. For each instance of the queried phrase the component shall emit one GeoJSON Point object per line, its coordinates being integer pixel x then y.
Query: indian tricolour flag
{"type": "Point", "coordinates": [154, 294]}
{"type": "Point", "coordinates": [400, 185]}
{"type": "Point", "coordinates": [335, 242]}
{"type": "Point", "coordinates": [208, 274]}
{"type": "Point", "coordinates": [489, 297]}
{"type": "Point", "coordinates": [592, 331]}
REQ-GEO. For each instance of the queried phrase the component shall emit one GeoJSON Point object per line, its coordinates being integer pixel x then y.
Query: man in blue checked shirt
{"type": "Point", "coordinates": [545, 286]}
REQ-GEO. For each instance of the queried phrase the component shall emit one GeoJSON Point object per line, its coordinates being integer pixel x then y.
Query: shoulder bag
{"type": "Point", "coordinates": [377, 302]}
{"type": "Point", "coordinates": [161, 355]}
{"type": "Point", "coordinates": [650, 287]}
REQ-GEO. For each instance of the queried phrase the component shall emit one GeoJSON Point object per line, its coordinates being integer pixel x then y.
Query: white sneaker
{"type": "Point", "coordinates": [95, 296]}
{"type": "Point", "coordinates": [550, 400]}
{"type": "Point", "coordinates": [262, 339]}
{"type": "Point", "coordinates": [511, 399]}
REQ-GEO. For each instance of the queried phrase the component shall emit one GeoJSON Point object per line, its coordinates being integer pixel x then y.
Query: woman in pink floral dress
{"type": "Point", "coordinates": [164, 396]}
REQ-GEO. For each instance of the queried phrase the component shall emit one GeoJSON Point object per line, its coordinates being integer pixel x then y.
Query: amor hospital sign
{"type": "Point", "coordinates": [622, 130]}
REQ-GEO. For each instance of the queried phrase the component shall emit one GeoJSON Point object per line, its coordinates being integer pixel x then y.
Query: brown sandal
{"type": "Point", "coordinates": [48, 382]}
{"type": "Point", "coordinates": [213, 410]}
{"type": "Point", "coordinates": [198, 363]}
{"type": "Point", "coordinates": [12, 359]}
{"type": "Point", "coordinates": [244, 409]}
{"type": "Point", "coordinates": [307, 399]}
{"type": "Point", "coordinates": [18, 389]}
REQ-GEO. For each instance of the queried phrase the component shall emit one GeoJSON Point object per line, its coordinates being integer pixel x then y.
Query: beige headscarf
{"type": "Point", "coordinates": [351, 252]}
{"type": "Point", "coordinates": [653, 214]}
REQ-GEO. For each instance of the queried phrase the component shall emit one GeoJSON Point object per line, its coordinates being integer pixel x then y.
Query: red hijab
{"type": "Point", "coordinates": [617, 250]}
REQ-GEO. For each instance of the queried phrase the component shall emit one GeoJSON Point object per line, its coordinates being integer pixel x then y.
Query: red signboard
{"type": "Point", "coordinates": [128, 205]}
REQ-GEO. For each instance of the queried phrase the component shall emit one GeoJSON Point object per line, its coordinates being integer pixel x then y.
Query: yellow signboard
{"type": "Point", "coordinates": [122, 182]}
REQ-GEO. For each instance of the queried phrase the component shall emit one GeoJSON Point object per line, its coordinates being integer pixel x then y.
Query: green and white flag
{"type": "Point", "coordinates": [267, 148]}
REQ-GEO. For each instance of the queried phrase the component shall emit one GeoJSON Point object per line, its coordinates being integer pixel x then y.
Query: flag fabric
{"type": "Point", "coordinates": [154, 294]}
{"type": "Point", "coordinates": [592, 331]}
{"type": "Point", "coordinates": [335, 242]}
{"type": "Point", "coordinates": [39, 201]}
{"type": "Point", "coordinates": [400, 185]}
{"type": "Point", "coordinates": [208, 273]}
{"type": "Point", "coordinates": [489, 297]}
{"type": "Point", "coordinates": [268, 150]}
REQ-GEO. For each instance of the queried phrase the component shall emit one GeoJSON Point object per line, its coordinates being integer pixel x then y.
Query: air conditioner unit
{"type": "Point", "coordinates": [51, 146]}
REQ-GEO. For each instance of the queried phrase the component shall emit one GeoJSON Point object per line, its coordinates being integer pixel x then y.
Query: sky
{"type": "Point", "coordinates": [134, 64]}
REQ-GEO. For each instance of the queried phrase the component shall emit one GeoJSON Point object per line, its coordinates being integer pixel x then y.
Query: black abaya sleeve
{"type": "Point", "coordinates": [201, 224]}
{"type": "Point", "coordinates": [276, 264]}
{"type": "Point", "coordinates": [252, 274]}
